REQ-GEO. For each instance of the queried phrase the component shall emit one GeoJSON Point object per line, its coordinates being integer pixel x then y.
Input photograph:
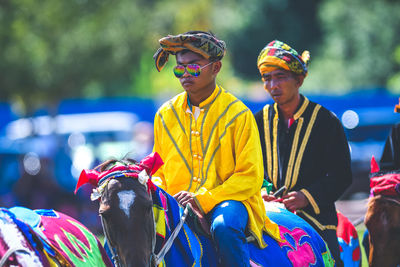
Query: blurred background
{"type": "Point", "coordinates": [78, 83]}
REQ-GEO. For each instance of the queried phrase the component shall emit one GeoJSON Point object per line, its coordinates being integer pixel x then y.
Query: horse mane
{"type": "Point", "coordinates": [377, 202]}
{"type": "Point", "coordinates": [382, 221]}
{"type": "Point", "coordinates": [373, 201]}
{"type": "Point", "coordinates": [106, 165]}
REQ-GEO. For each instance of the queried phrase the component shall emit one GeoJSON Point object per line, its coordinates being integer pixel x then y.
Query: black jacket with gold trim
{"type": "Point", "coordinates": [311, 156]}
{"type": "Point", "coordinates": [390, 159]}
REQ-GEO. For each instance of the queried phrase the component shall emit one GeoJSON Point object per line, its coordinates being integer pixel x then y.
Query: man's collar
{"type": "Point", "coordinates": [300, 108]}
{"type": "Point", "coordinates": [207, 101]}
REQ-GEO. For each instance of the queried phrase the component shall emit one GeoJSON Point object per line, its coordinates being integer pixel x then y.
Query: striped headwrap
{"type": "Point", "coordinates": [277, 54]}
{"type": "Point", "coordinates": [202, 43]}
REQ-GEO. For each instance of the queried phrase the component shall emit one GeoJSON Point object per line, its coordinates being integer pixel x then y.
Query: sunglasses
{"type": "Point", "coordinates": [193, 69]}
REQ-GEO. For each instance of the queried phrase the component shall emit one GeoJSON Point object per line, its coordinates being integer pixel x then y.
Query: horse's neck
{"type": "Point", "coordinates": [14, 239]}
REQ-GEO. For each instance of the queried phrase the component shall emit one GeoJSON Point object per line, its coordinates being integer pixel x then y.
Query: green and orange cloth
{"type": "Point", "coordinates": [201, 43]}
{"type": "Point", "coordinates": [277, 54]}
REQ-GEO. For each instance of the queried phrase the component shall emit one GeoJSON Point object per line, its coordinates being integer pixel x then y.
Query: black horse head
{"type": "Point", "coordinates": [126, 207]}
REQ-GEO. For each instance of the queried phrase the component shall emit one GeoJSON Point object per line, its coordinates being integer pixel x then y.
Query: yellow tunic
{"type": "Point", "coordinates": [216, 156]}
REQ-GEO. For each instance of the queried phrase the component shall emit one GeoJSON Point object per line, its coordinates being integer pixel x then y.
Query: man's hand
{"type": "Point", "coordinates": [184, 198]}
{"type": "Point", "coordinates": [295, 200]}
{"type": "Point", "coordinates": [267, 197]}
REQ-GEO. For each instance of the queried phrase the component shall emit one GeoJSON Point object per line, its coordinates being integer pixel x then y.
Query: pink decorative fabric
{"type": "Point", "coordinates": [386, 184]}
{"type": "Point", "coordinates": [71, 239]}
{"type": "Point", "coordinates": [150, 163]}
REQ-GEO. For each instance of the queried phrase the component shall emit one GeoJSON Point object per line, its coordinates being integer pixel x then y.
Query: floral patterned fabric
{"type": "Point", "coordinates": [301, 246]}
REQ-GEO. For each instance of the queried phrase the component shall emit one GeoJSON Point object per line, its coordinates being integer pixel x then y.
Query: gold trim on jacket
{"type": "Point", "coordinates": [296, 153]}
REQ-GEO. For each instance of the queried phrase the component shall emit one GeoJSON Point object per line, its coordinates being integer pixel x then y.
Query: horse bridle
{"type": "Point", "coordinates": [114, 254]}
{"type": "Point", "coordinates": [11, 251]}
{"type": "Point", "coordinates": [115, 257]}
{"type": "Point", "coordinates": [391, 199]}
{"type": "Point", "coordinates": [155, 259]}
{"type": "Point", "coordinates": [158, 258]}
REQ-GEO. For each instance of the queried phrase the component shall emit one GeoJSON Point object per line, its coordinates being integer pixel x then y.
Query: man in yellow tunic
{"type": "Point", "coordinates": [209, 142]}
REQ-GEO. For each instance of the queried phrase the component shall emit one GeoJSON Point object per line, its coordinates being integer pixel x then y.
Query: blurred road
{"type": "Point", "coordinates": [352, 209]}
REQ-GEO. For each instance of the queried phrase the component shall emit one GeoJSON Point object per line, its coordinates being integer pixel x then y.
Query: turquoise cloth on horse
{"type": "Point", "coordinates": [62, 237]}
{"type": "Point", "coordinates": [302, 246]}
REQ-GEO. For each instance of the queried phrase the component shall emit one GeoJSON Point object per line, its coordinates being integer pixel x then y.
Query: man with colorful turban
{"type": "Point", "coordinates": [209, 142]}
{"type": "Point", "coordinates": [304, 145]}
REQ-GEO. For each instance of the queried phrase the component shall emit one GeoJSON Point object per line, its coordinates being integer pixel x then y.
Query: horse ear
{"type": "Point", "coordinates": [87, 176]}
{"type": "Point", "coordinates": [374, 165]}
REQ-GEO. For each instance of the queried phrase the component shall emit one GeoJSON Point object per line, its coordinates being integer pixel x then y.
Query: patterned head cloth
{"type": "Point", "coordinates": [277, 54]}
{"type": "Point", "coordinates": [201, 43]}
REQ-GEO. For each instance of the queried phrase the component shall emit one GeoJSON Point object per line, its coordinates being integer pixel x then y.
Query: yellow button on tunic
{"type": "Point", "coordinates": [213, 151]}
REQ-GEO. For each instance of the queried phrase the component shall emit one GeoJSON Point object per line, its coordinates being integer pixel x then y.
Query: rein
{"type": "Point", "coordinates": [391, 199]}
{"type": "Point", "coordinates": [168, 244]}
{"type": "Point", "coordinates": [115, 256]}
{"type": "Point", "coordinates": [11, 251]}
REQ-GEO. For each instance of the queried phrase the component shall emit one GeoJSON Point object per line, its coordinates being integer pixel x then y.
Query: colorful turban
{"type": "Point", "coordinates": [277, 54]}
{"type": "Point", "coordinates": [201, 43]}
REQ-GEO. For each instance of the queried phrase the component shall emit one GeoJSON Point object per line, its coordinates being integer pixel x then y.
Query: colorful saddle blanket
{"type": "Point", "coordinates": [64, 240]}
{"type": "Point", "coordinates": [303, 246]}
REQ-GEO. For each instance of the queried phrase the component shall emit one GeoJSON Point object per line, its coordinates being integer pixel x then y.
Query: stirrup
{"type": "Point", "coordinates": [250, 239]}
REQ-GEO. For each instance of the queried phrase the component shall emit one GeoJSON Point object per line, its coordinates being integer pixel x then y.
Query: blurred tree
{"type": "Point", "coordinates": [352, 44]}
{"type": "Point", "coordinates": [85, 48]}
{"type": "Point", "coordinates": [52, 50]}
{"type": "Point", "coordinates": [394, 81]}
{"type": "Point", "coordinates": [358, 48]}
{"type": "Point", "coordinates": [262, 21]}
{"type": "Point", "coordinates": [59, 49]}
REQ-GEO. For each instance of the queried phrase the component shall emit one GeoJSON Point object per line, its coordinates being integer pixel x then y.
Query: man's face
{"type": "Point", "coordinates": [190, 83]}
{"type": "Point", "coordinates": [282, 85]}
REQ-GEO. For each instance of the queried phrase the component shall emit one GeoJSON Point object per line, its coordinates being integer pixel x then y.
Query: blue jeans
{"type": "Point", "coordinates": [228, 221]}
